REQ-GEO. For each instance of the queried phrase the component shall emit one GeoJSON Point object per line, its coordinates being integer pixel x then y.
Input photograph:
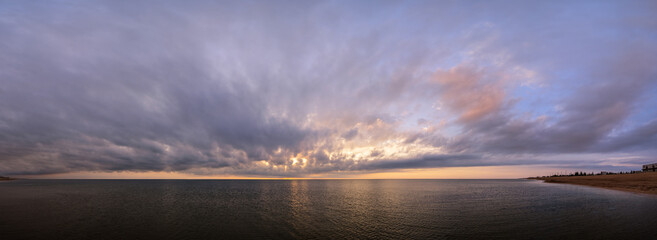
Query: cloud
{"type": "Point", "coordinates": [350, 134]}
{"type": "Point", "coordinates": [589, 121]}
{"type": "Point", "coordinates": [291, 89]}
{"type": "Point", "coordinates": [465, 91]}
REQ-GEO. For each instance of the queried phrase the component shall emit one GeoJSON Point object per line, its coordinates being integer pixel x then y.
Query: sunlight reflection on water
{"type": "Point", "coordinates": [302, 209]}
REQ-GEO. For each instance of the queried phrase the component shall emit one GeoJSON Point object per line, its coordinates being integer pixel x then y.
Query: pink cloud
{"type": "Point", "coordinates": [466, 92]}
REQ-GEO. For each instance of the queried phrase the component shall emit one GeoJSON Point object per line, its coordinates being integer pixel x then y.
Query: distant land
{"type": "Point", "coordinates": [6, 178]}
{"type": "Point", "coordinates": [634, 182]}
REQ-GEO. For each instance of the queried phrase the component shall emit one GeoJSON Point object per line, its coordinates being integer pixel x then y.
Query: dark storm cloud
{"type": "Point", "coordinates": [294, 88]}
{"type": "Point", "coordinates": [145, 101]}
{"type": "Point", "coordinates": [642, 137]}
{"type": "Point", "coordinates": [350, 134]}
{"type": "Point", "coordinates": [430, 161]}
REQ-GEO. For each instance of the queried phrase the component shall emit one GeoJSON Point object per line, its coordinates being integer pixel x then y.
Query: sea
{"type": "Point", "coordinates": [321, 209]}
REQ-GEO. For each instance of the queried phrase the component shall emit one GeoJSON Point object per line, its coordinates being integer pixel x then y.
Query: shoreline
{"type": "Point", "coordinates": [645, 183]}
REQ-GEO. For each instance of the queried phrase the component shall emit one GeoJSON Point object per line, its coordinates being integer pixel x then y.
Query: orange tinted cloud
{"type": "Point", "coordinates": [466, 92]}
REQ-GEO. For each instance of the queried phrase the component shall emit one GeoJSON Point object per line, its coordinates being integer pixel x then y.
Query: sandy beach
{"type": "Point", "coordinates": [638, 182]}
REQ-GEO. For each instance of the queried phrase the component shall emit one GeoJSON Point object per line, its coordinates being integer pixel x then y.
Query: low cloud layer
{"type": "Point", "coordinates": [300, 88]}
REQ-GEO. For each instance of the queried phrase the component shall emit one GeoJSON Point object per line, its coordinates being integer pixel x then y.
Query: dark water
{"type": "Point", "coordinates": [320, 209]}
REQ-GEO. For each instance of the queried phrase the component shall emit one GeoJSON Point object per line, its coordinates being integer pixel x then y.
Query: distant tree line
{"type": "Point", "coordinates": [574, 174]}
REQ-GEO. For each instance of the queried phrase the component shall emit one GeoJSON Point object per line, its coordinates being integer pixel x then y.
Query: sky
{"type": "Point", "coordinates": [326, 89]}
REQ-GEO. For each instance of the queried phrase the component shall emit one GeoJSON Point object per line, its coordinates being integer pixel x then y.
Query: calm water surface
{"type": "Point", "coordinates": [320, 209]}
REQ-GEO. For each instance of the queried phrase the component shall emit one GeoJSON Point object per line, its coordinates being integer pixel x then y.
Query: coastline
{"type": "Point", "coordinates": [637, 182]}
{"type": "Point", "coordinates": [6, 178]}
